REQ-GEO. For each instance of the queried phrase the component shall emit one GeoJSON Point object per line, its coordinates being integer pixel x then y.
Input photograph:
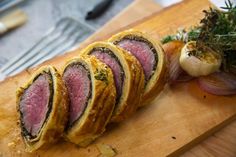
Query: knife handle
{"type": "Point", "coordinates": [99, 9]}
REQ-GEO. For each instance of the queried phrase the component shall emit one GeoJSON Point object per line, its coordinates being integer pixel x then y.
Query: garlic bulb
{"type": "Point", "coordinates": [199, 61]}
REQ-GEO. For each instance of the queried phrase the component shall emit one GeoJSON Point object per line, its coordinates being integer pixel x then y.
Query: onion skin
{"type": "Point", "coordinates": [176, 73]}
{"type": "Point", "coordinates": [173, 48]}
{"type": "Point", "coordinates": [219, 83]}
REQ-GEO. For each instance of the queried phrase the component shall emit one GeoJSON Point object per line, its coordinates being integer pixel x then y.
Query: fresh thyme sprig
{"type": "Point", "coordinates": [218, 31]}
{"type": "Point", "coordinates": [183, 35]}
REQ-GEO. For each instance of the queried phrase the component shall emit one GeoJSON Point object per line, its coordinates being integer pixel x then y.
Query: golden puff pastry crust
{"type": "Point", "coordinates": [132, 86]}
{"type": "Point", "coordinates": [157, 81]}
{"type": "Point", "coordinates": [100, 105]}
{"type": "Point", "coordinates": [54, 124]}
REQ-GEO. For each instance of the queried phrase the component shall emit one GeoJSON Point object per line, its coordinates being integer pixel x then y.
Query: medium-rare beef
{"type": "Point", "coordinates": [78, 83]}
{"type": "Point", "coordinates": [92, 97]}
{"type": "Point", "coordinates": [42, 104]}
{"type": "Point", "coordinates": [143, 52]}
{"type": "Point", "coordinates": [150, 55]}
{"type": "Point", "coordinates": [128, 76]}
{"type": "Point", "coordinates": [35, 105]}
{"type": "Point", "coordinates": [106, 56]}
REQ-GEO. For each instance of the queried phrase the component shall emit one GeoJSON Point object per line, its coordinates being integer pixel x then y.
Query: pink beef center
{"type": "Point", "coordinates": [34, 104]}
{"type": "Point", "coordinates": [78, 85]}
{"type": "Point", "coordinates": [142, 52]}
{"type": "Point", "coordinates": [115, 67]}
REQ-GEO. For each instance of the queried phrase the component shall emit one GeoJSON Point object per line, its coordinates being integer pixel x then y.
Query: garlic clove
{"type": "Point", "coordinates": [199, 62]}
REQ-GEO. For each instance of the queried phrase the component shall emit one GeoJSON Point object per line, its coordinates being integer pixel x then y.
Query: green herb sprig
{"type": "Point", "coordinates": [217, 30]}
{"type": "Point", "coordinates": [101, 75]}
{"type": "Point", "coordinates": [183, 35]}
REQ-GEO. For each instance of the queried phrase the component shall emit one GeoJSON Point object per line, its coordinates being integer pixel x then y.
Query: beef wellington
{"type": "Point", "coordinates": [128, 76]}
{"type": "Point", "coordinates": [92, 96]}
{"type": "Point", "coordinates": [150, 55]}
{"type": "Point", "coordinates": [42, 104]}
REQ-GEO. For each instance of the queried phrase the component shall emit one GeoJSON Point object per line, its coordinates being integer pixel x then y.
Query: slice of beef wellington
{"type": "Point", "coordinates": [92, 98]}
{"type": "Point", "coordinates": [128, 76]}
{"type": "Point", "coordinates": [150, 55]}
{"type": "Point", "coordinates": [42, 104]}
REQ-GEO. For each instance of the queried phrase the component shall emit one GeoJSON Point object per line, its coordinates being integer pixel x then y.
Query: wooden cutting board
{"type": "Point", "coordinates": [222, 143]}
{"type": "Point", "coordinates": [178, 118]}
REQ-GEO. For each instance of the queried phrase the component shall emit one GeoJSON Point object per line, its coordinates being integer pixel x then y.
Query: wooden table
{"type": "Point", "coordinates": [220, 144]}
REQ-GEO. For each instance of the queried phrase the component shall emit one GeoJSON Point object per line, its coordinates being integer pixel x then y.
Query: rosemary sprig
{"type": "Point", "coordinates": [217, 30]}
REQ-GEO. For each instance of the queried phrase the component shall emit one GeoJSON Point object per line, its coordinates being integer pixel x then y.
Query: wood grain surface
{"type": "Point", "coordinates": [221, 143]}
{"type": "Point", "coordinates": [168, 126]}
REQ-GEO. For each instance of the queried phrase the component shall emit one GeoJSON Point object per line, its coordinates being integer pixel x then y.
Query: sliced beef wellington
{"type": "Point", "coordinates": [42, 104]}
{"type": "Point", "coordinates": [150, 55]}
{"type": "Point", "coordinates": [128, 76]}
{"type": "Point", "coordinates": [92, 97]}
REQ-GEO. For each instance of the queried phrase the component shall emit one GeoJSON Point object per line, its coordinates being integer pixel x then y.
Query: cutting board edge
{"type": "Point", "coordinates": [202, 137]}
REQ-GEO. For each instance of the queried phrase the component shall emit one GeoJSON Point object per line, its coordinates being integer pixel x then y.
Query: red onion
{"type": "Point", "coordinates": [174, 68]}
{"type": "Point", "coordinates": [173, 51]}
{"type": "Point", "coordinates": [220, 83]}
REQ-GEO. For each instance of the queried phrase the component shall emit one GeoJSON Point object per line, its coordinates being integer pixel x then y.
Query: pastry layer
{"type": "Point", "coordinates": [150, 55]}
{"type": "Point", "coordinates": [94, 110]}
{"type": "Point", "coordinates": [42, 104]}
{"type": "Point", "coordinates": [128, 76]}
